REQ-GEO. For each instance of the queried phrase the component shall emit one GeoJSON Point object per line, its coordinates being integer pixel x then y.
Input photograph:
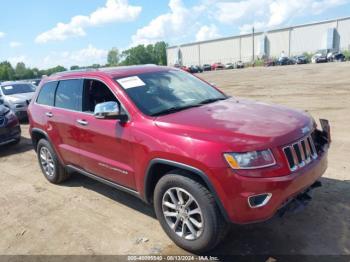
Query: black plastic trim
{"type": "Point", "coordinates": [192, 169]}
{"type": "Point", "coordinates": [38, 130]}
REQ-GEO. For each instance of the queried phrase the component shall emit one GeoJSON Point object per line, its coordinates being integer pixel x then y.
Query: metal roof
{"type": "Point", "coordinates": [260, 32]}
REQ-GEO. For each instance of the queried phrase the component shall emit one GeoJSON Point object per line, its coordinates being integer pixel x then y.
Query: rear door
{"type": "Point", "coordinates": [68, 103]}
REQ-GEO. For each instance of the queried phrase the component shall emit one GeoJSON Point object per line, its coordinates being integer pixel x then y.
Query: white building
{"type": "Point", "coordinates": [295, 40]}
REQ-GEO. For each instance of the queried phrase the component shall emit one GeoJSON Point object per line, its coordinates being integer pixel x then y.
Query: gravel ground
{"type": "Point", "coordinates": [85, 217]}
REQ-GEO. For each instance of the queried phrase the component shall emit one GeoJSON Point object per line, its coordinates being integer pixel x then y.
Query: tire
{"type": "Point", "coordinates": [52, 169]}
{"type": "Point", "coordinates": [209, 225]}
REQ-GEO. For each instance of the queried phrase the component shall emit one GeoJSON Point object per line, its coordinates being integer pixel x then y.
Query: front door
{"type": "Point", "coordinates": [105, 147]}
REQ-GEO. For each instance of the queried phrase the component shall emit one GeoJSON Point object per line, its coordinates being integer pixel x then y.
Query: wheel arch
{"type": "Point", "coordinates": [158, 167]}
{"type": "Point", "coordinates": [37, 134]}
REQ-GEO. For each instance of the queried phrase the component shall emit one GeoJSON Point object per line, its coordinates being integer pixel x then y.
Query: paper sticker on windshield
{"type": "Point", "coordinates": [131, 82]}
{"type": "Point", "coordinates": [8, 87]}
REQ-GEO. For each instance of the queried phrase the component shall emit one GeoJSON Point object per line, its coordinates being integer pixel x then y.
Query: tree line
{"type": "Point", "coordinates": [138, 55]}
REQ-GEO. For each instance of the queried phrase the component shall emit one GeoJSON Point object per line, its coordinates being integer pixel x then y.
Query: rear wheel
{"type": "Point", "coordinates": [49, 163]}
{"type": "Point", "coordinates": [188, 213]}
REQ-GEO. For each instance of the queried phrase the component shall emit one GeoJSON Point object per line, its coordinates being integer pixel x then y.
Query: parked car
{"type": "Point", "coordinates": [319, 57]}
{"type": "Point", "coordinates": [270, 62]}
{"type": "Point", "coordinates": [195, 69]}
{"type": "Point", "coordinates": [10, 130]}
{"type": "Point", "coordinates": [239, 64]}
{"type": "Point", "coordinates": [17, 96]}
{"type": "Point", "coordinates": [229, 66]}
{"type": "Point", "coordinates": [186, 69]}
{"type": "Point", "coordinates": [206, 67]}
{"type": "Point", "coordinates": [35, 82]}
{"type": "Point", "coordinates": [200, 69]}
{"type": "Point", "coordinates": [284, 61]}
{"type": "Point", "coordinates": [301, 59]}
{"type": "Point", "coordinates": [336, 57]}
{"type": "Point", "coordinates": [170, 139]}
{"type": "Point", "coordinates": [217, 66]}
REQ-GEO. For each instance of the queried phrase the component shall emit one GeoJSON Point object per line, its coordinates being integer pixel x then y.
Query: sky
{"type": "Point", "coordinates": [44, 33]}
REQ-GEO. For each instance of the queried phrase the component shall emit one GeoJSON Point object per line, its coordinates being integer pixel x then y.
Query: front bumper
{"type": "Point", "coordinates": [235, 191]}
{"type": "Point", "coordinates": [9, 134]}
{"type": "Point", "coordinates": [283, 189]}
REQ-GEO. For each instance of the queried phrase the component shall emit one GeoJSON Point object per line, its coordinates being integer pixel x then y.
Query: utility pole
{"type": "Point", "coordinates": [253, 45]}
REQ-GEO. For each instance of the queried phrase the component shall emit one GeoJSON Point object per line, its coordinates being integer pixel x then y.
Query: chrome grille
{"type": "Point", "coordinates": [300, 153]}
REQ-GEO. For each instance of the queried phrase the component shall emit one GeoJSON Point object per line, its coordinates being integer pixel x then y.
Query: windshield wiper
{"type": "Point", "coordinates": [174, 109]}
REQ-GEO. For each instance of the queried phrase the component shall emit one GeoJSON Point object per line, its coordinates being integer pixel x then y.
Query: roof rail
{"type": "Point", "coordinates": [75, 70]}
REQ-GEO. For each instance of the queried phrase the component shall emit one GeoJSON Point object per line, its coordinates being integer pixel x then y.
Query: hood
{"type": "Point", "coordinates": [18, 98]}
{"type": "Point", "coordinates": [244, 123]}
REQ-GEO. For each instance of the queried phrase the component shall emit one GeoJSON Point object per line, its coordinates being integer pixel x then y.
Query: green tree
{"type": "Point", "coordinates": [113, 57]}
{"type": "Point", "coordinates": [74, 67]}
{"type": "Point", "coordinates": [160, 53]}
{"type": "Point", "coordinates": [20, 70]}
{"type": "Point", "coordinates": [6, 71]}
{"type": "Point", "coordinates": [150, 54]}
{"type": "Point", "coordinates": [137, 55]}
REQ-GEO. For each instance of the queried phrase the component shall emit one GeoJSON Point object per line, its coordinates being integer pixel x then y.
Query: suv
{"type": "Point", "coordinates": [10, 130]}
{"type": "Point", "coordinates": [17, 96]}
{"type": "Point", "coordinates": [202, 158]}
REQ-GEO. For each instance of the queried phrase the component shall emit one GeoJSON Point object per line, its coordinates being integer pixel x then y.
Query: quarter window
{"type": "Point", "coordinates": [47, 94]}
{"type": "Point", "coordinates": [69, 94]}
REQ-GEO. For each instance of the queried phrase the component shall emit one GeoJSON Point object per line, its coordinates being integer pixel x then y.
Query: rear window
{"type": "Point", "coordinates": [69, 94]}
{"type": "Point", "coordinates": [17, 89]}
{"type": "Point", "coordinates": [47, 94]}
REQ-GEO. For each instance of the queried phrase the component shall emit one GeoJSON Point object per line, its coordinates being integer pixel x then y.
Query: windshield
{"type": "Point", "coordinates": [17, 89]}
{"type": "Point", "coordinates": [166, 92]}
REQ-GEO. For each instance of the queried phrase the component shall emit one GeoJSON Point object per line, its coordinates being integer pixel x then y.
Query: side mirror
{"type": "Point", "coordinates": [1, 101]}
{"type": "Point", "coordinates": [109, 110]}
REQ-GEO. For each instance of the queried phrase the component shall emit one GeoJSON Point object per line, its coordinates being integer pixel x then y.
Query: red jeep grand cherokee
{"type": "Point", "coordinates": [203, 159]}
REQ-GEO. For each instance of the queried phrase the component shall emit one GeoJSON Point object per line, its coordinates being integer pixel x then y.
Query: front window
{"type": "Point", "coordinates": [165, 92]}
{"type": "Point", "coordinates": [17, 89]}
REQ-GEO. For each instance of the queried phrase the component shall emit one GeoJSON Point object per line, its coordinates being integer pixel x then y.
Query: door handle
{"type": "Point", "coordinates": [82, 122]}
{"type": "Point", "coordinates": [49, 114]}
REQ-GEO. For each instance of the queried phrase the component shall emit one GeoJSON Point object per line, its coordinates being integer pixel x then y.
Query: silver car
{"type": "Point", "coordinates": [17, 96]}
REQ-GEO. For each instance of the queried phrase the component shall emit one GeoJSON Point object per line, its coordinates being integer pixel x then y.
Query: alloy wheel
{"type": "Point", "coordinates": [182, 213]}
{"type": "Point", "coordinates": [47, 162]}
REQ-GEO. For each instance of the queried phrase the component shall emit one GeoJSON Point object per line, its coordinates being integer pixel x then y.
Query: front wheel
{"type": "Point", "coordinates": [188, 213]}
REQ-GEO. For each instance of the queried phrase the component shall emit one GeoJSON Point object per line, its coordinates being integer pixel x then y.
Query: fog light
{"type": "Point", "coordinates": [259, 200]}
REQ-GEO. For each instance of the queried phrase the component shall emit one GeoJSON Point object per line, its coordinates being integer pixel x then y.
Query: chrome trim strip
{"type": "Point", "coordinates": [7, 142]}
{"type": "Point", "coordinates": [266, 200]}
{"type": "Point", "coordinates": [104, 181]}
{"type": "Point", "coordinates": [81, 112]}
{"type": "Point", "coordinates": [306, 157]}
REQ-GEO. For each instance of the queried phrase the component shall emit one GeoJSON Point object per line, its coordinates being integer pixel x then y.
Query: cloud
{"type": "Point", "coordinates": [2, 34]}
{"type": "Point", "coordinates": [15, 44]}
{"type": "Point", "coordinates": [267, 14]}
{"type": "Point", "coordinates": [84, 57]}
{"type": "Point", "coordinates": [113, 11]}
{"type": "Point", "coordinates": [207, 32]}
{"type": "Point", "coordinates": [172, 26]}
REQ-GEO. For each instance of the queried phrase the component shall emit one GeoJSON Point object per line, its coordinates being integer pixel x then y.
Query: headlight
{"type": "Point", "coordinates": [250, 160]}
